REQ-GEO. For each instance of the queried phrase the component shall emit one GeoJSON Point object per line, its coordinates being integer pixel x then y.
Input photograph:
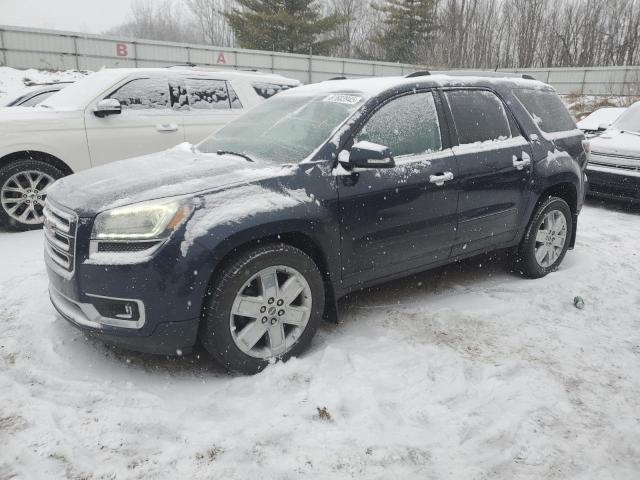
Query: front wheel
{"type": "Point", "coordinates": [264, 305]}
{"type": "Point", "coordinates": [547, 239]}
{"type": "Point", "coordinates": [23, 190]}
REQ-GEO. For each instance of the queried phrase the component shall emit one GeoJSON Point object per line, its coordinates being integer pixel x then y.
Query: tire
{"type": "Point", "coordinates": [228, 336]}
{"type": "Point", "coordinates": [22, 195]}
{"type": "Point", "coordinates": [540, 253]}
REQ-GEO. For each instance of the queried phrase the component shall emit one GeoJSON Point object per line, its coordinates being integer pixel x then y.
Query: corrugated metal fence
{"type": "Point", "coordinates": [48, 49]}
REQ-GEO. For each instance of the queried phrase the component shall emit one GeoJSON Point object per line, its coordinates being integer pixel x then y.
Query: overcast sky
{"type": "Point", "coordinates": [89, 16]}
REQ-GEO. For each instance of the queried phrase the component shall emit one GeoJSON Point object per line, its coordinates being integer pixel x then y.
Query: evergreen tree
{"type": "Point", "coordinates": [293, 26]}
{"type": "Point", "coordinates": [409, 27]}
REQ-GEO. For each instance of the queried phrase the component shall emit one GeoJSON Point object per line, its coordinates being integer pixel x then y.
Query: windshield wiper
{"type": "Point", "coordinates": [631, 132]}
{"type": "Point", "coordinates": [228, 152]}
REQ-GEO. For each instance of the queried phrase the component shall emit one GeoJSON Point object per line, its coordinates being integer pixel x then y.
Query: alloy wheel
{"type": "Point", "coordinates": [270, 312]}
{"type": "Point", "coordinates": [23, 195]}
{"type": "Point", "coordinates": [550, 238]}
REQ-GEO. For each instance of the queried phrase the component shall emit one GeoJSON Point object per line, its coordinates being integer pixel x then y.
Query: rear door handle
{"type": "Point", "coordinates": [167, 127]}
{"type": "Point", "coordinates": [520, 163]}
{"type": "Point", "coordinates": [440, 178]}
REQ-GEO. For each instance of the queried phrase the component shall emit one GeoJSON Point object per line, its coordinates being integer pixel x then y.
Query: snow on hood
{"type": "Point", "coordinates": [599, 117]}
{"type": "Point", "coordinates": [178, 171]}
{"type": "Point", "coordinates": [617, 143]}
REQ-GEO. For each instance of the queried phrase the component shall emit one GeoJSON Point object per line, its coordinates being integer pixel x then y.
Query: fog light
{"type": "Point", "coordinates": [120, 309]}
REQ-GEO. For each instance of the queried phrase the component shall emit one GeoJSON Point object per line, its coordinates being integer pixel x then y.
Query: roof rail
{"type": "Point", "coordinates": [336, 78]}
{"type": "Point", "coordinates": [419, 73]}
{"type": "Point", "coordinates": [485, 73]}
{"type": "Point", "coordinates": [182, 65]}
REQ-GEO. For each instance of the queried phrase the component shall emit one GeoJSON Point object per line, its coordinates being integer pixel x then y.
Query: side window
{"type": "Point", "coordinates": [268, 90]}
{"type": "Point", "coordinates": [143, 93]}
{"type": "Point", "coordinates": [547, 110]}
{"type": "Point", "coordinates": [479, 116]}
{"type": "Point", "coordinates": [206, 94]}
{"type": "Point", "coordinates": [408, 125]}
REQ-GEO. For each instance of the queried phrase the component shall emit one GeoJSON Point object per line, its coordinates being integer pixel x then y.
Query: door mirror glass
{"type": "Point", "coordinates": [370, 155]}
{"type": "Point", "coordinates": [108, 106]}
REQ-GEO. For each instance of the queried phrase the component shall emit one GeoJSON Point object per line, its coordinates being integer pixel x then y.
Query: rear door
{"type": "Point", "coordinates": [400, 219]}
{"type": "Point", "coordinates": [494, 162]}
{"type": "Point", "coordinates": [147, 124]}
{"type": "Point", "coordinates": [212, 104]}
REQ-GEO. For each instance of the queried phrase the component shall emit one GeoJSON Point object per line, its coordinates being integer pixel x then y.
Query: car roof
{"type": "Point", "coordinates": [372, 86]}
{"type": "Point", "coordinates": [224, 74]}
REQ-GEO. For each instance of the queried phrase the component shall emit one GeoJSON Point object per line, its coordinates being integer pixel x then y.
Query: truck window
{"type": "Point", "coordinates": [143, 93]}
{"type": "Point", "coordinates": [546, 109]}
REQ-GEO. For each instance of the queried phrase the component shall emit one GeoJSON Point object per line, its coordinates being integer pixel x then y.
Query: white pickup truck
{"type": "Point", "coordinates": [111, 115]}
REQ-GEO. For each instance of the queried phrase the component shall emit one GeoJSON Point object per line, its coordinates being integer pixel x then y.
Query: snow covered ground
{"type": "Point", "coordinates": [465, 372]}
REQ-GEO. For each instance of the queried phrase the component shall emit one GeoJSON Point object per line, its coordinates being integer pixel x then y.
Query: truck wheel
{"type": "Point", "coordinates": [264, 305]}
{"type": "Point", "coordinates": [547, 239]}
{"type": "Point", "coordinates": [23, 190]}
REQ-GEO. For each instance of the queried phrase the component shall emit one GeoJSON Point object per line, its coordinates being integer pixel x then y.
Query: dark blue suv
{"type": "Point", "coordinates": [246, 240]}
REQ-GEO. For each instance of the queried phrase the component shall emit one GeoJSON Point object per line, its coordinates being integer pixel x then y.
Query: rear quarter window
{"type": "Point", "coordinates": [547, 110]}
{"type": "Point", "coordinates": [268, 90]}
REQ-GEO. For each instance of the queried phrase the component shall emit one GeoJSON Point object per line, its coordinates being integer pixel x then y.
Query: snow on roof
{"type": "Point", "coordinates": [372, 86]}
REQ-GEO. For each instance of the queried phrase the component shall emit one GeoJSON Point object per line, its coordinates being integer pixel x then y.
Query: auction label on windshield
{"type": "Point", "coordinates": [340, 98]}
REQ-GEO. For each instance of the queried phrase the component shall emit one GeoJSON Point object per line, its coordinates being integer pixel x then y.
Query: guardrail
{"type": "Point", "coordinates": [51, 49]}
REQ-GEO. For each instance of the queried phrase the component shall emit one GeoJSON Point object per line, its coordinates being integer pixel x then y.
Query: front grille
{"type": "Point", "coordinates": [60, 236]}
{"type": "Point", "coordinates": [613, 165]}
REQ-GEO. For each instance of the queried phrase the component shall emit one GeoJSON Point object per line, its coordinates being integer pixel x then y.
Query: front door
{"type": "Point", "coordinates": [147, 124]}
{"type": "Point", "coordinates": [397, 219]}
{"type": "Point", "coordinates": [494, 162]}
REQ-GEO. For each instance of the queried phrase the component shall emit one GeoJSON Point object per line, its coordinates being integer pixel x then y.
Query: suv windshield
{"type": "Point", "coordinates": [286, 128]}
{"type": "Point", "coordinates": [629, 121]}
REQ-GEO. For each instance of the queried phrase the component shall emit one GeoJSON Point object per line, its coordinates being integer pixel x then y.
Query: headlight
{"type": "Point", "coordinates": [143, 221]}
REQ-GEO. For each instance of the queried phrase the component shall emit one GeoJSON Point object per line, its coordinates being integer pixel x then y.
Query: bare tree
{"type": "Point", "coordinates": [209, 15]}
{"type": "Point", "coordinates": [469, 33]}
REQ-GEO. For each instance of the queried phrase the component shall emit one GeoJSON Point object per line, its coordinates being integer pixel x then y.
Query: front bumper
{"type": "Point", "coordinates": [168, 338]}
{"type": "Point", "coordinates": [613, 183]}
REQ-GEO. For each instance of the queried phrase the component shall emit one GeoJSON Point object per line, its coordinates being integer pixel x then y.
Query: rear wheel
{"type": "Point", "coordinates": [23, 190]}
{"type": "Point", "coordinates": [547, 239]}
{"type": "Point", "coordinates": [264, 305]}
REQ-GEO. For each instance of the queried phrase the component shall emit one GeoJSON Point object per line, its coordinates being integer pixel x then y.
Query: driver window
{"type": "Point", "coordinates": [408, 125]}
{"type": "Point", "coordinates": [143, 94]}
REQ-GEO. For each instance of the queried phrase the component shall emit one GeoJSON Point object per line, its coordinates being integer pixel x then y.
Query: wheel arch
{"type": "Point", "coordinates": [36, 155]}
{"type": "Point", "coordinates": [568, 192]}
{"type": "Point", "coordinates": [295, 238]}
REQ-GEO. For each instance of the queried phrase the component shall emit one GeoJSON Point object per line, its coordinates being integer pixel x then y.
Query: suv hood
{"type": "Point", "coordinates": [616, 143]}
{"type": "Point", "coordinates": [179, 171]}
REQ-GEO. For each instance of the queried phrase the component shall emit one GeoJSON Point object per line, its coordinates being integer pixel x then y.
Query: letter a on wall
{"type": "Point", "coordinates": [221, 58]}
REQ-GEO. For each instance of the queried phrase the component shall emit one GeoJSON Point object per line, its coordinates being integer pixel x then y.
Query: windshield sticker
{"type": "Point", "coordinates": [346, 99]}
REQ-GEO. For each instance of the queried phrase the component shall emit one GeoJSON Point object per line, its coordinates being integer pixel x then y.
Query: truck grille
{"type": "Point", "coordinates": [60, 236]}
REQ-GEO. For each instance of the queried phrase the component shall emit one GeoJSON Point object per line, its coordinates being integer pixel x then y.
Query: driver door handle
{"type": "Point", "coordinates": [520, 163]}
{"type": "Point", "coordinates": [440, 178]}
{"type": "Point", "coordinates": [167, 127]}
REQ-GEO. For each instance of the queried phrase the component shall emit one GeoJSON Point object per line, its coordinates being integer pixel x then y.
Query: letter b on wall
{"type": "Point", "coordinates": [122, 50]}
